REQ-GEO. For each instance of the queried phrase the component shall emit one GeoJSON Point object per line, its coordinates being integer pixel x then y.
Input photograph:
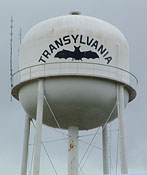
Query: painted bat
{"type": "Point", "coordinates": [76, 54]}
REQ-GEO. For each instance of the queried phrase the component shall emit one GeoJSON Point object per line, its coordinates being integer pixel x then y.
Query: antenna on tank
{"type": "Point", "coordinates": [11, 52]}
{"type": "Point", "coordinates": [19, 40]}
{"type": "Point", "coordinates": [20, 35]}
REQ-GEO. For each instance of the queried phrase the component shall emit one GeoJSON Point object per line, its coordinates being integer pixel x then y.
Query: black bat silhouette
{"type": "Point", "coordinates": [76, 54]}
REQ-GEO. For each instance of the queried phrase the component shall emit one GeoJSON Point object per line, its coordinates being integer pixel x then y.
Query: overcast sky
{"type": "Point", "coordinates": [130, 16]}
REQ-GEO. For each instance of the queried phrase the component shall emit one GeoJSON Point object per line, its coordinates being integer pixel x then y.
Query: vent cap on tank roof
{"type": "Point", "coordinates": [75, 13]}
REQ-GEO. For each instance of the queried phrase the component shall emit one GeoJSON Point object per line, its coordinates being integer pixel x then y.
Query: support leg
{"type": "Point", "coordinates": [39, 118]}
{"type": "Point", "coordinates": [120, 107]}
{"type": "Point", "coordinates": [25, 146]}
{"type": "Point", "coordinates": [73, 150]}
{"type": "Point", "coordinates": [105, 150]}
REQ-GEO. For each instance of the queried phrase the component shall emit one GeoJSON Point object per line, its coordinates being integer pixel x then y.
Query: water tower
{"type": "Point", "coordinates": [77, 67]}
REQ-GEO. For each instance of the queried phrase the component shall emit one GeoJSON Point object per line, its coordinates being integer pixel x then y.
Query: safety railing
{"type": "Point", "coordinates": [74, 68]}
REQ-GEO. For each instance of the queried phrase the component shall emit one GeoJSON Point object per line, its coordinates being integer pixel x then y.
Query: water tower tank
{"type": "Point", "coordinates": [81, 59]}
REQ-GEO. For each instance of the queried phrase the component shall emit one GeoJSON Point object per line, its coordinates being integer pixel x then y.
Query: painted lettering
{"type": "Point", "coordinates": [81, 39]}
{"type": "Point", "coordinates": [105, 54]}
{"type": "Point", "coordinates": [46, 54]}
{"type": "Point", "coordinates": [95, 44]}
{"type": "Point", "coordinates": [59, 42]}
{"type": "Point", "coordinates": [108, 59]}
{"type": "Point", "coordinates": [89, 41]}
{"type": "Point", "coordinates": [101, 49]}
{"type": "Point", "coordinates": [52, 48]}
{"type": "Point", "coordinates": [66, 40]}
{"type": "Point", "coordinates": [75, 38]}
{"type": "Point", "coordinates": [42, 60]}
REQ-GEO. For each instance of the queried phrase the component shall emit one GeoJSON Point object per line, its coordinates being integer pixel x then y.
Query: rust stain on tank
{"type": "Point", "coordinates": [71, 146]}
{"type": "Point", "coordinates": [69, 30]}
{"type": "Point", "coordinates": [52, 30]}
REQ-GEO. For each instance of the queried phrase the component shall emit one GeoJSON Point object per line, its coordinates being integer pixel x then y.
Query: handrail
{"type": "Point", "coordinates": [78, 68]}
{"type": "Point", "coordinates": [78, 63]}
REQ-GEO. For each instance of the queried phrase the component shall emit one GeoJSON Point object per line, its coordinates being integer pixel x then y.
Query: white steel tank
{"type": "Point", "coordinates": [81, 59]}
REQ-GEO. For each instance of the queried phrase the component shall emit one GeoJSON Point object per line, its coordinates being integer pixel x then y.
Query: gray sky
{"type": "Point", "coordinates": [130, 16]}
